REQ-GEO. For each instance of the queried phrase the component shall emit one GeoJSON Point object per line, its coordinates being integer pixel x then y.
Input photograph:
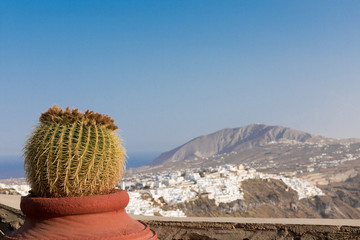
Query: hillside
{"type": "Point", "coordinates": [232, 139]}
{"type": "Point", "coordinates": [257, 145]}
{"type": "Point", "coordinates": [273, 199]}
{"type": "Point", "coordinates": [333, 165]}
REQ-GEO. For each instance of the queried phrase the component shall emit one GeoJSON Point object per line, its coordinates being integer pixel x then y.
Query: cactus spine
{"type": "Point", "coordinates": [73, 154]}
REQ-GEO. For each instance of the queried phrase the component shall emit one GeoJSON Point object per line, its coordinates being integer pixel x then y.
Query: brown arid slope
{"type": "Point", "coordinates": [274, 199]}
{"type": "Point", "coordinates": [271, 198]}
{"type": "Point", "coordinates": [343, 199]}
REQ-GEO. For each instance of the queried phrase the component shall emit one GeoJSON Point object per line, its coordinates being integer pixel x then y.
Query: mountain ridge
{"type": "Point", "coordinates": [237, 139]}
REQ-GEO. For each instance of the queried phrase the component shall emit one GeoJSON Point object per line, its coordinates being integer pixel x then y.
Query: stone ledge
{"type": "Point", "coordinates": [243, 228]}
{"type": "Point", "coordinates": [300, 221]}
{"type": "Point", "coordinates": [227, 228]}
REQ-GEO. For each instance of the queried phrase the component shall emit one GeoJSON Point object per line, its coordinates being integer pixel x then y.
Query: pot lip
{"type": "Point", "coordinates": [39, 207]}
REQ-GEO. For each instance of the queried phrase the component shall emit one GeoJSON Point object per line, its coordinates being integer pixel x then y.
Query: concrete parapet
{"type": "Point", "coordinates": [250, 228]}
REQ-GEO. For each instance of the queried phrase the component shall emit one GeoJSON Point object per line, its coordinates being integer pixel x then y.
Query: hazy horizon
{"type": "Point", "coordinates": [13, 165]}
{"type": "Point", "coordinates": [169, 71]}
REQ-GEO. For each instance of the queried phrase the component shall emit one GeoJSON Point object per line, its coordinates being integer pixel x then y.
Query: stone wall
{"type": "Point", "coordinates": [243, 231]}
{"type": "Point", "coordinates": [10, 219]}
{"type": "Point", "coordinates": [224, 228]}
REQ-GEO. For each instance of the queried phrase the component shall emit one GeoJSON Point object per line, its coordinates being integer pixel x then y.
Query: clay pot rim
{"type": "Point", "coordinates": [38, 207]}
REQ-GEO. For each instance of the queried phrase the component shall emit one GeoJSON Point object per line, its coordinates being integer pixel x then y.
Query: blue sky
{"type": "Point", "coordinates": [169, 71]}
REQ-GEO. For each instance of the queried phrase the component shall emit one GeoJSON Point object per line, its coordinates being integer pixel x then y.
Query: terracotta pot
{"type": "Point", "coordinates": [92, 217]}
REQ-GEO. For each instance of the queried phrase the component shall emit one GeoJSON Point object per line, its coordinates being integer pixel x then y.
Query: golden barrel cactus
{"type": "Point", "coordinates": [71, 154]}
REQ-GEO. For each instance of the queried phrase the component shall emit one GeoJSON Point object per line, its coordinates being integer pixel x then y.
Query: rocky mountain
{"type": "Point", "coordinates": [256, 142]}
{"type": "Point", "coordinates": [233, 139]}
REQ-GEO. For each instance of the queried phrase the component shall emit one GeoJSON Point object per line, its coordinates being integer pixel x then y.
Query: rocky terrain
{"type": "Point", "coordinates": [268, 148]}
{"type": "Point", "coordinates": [333, 165]}
{"type": "Point", "coordinates": [273, 199]}
{"type": "Point", "coordinates": [10, 219]}
{"type": "Point", "coordinates": [228, 140]}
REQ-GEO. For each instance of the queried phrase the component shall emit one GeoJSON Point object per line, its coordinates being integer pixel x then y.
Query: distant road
{"type": "Point", "coordinates": [14, 202]}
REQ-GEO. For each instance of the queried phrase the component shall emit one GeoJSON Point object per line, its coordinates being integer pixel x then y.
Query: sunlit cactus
{"type": "Point", "coordinates": [73, 154]}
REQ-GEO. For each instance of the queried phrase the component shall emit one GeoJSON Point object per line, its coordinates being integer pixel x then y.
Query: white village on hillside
{"type": "Point", "coordinates": [223, 184]}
